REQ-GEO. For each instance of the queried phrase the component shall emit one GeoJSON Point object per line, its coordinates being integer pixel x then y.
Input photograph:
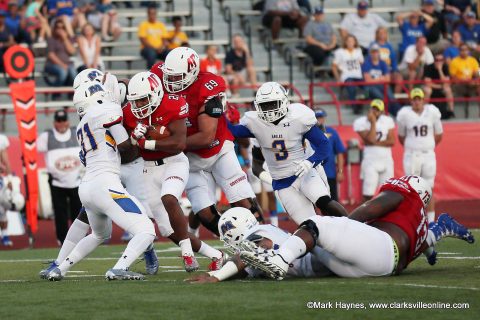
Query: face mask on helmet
{"type": "Point", "coordinates": [180, 69]}
{"type": "Point", "coordinates": [145, 94]}
{"type": "Point", "coordinates": [87, 94]}
{"type": "Point", "coordinates": [143, 107]}
{"type": "Point", "coordinates": [175, 82]}
{"type": "Point", "coordinates": [271, 102]}
{"type": "Point", "coordinates": [233, 225]}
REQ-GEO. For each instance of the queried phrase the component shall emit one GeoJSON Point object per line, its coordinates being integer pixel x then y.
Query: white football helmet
{"type": "Point", "coordinates": [233, 225]}
{"type": "Point", "coordinates": [144, 85]}
{"type": "Point", "coordinates": [88, 75]}
{"type": "Point", "coordinates": [180, 69]}
{"type": "Point", "coordinates": [271, 101]}
{"type": "Point", "coordinates": [422, 187]}
{"type": "Point", "coordinates": [87, 94]}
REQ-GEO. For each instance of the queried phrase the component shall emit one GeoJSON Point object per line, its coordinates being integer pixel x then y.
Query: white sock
{"type": "Point", "coordinates": [135, 248]}
{"type": "Point", "coordinates": [428, 252]}
{"type": "Point", "coordinates": [431, 216]}
{"type": "Point", "coordinates": [194, 231]}
{"type": "Point", "coordinates": [186, 247]}
{"type": "Point", "coordinates": [83, 248]}
{"type": "Point", "coordinates": [274, 221]}
{"type": "Point", "coordinates": [291, 249]}
{"type": "Point", "coordinates": [431, 240]}
{"type": "Point", "coordinates": [209, 252]}
{"type": "Point", "coordinates": [78, 230]}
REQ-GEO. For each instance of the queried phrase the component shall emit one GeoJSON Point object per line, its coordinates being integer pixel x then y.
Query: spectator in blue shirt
{"type": "Point", "coordinates": [413, 28]}
{"type": "Point", "coordinates": [375, 71]}
{"type": "Point", "coordinates": [68, 11]}
{"type": "Point", "coordinates": [470, 32]}
{"type": "Point", "coordinates": [454, 10]}
{"type": "Point", "coordinates": [16, 24]}
{"type": "Point", "coordinates": [333, 169]}
{"type": "Point", "coordinates": [453, 50]}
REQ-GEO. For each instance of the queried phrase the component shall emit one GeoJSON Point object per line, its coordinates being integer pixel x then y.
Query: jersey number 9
{"type": "Point", "coordinates": [283, 153]}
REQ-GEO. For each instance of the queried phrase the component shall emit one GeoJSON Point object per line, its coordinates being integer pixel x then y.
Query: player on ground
{"type": "Point", "coordinates": [9, 200]}
{"type": "Point", "coordinates": [103, 139]}
{"type": "Point", "coordinates": [420, 131]}
{"type": "Point", "coordinates": [377, 132]}
{"type": "Point", "coordinates": [130, 175]}
{"type": "Point", "coordinates": [210, 147]}
{"type": "Point", "coordinates": [395, 233]}
{"type": "Point", "coordinates": [280, 129]}
{"type": "Point", "coordinates": [166, 168]}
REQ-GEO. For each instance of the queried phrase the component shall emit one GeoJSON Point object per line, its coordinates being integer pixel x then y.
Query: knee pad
{"type": "Point", "coordinates": [311, 227]}
{"type": "Point", "coordinates": [211, 224]}
{"type": "Point", "coordinates": [323, 202]}
{"type": "Point", "coordinates": [82, 216]}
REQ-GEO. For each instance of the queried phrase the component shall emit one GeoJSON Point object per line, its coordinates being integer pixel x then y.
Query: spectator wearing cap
{"type": "Point", "coordinates": [454, 11]}
{"type": "Point", "coordinates": [377, 133]}
{"type": "Point", "coordinates": [347, 67]}
{"type": "Point", "coordinates": [6, 40]}
{"type": "Point", "coordinates": [438, 71]}
{"type": "Point", "coordinates": [283, 13]}
{"type": "Point", "coordinates": [320, 37]}
{"type": "Point", "coordinates": [415, 58]}
{"type": "Point", "coordinates": [453, 50]}
{"type": "Point", "coordinates": [64, 168]}
{"type": "Point", "coordinates": [362, 25]}
{"type": "Point", "coordinates": [336, 154]}
{"type": "Point", "coordinates": [411, 26]}
{"type": "Point", "coordinates": [465, 68]}
{"type": "Point", "coordinates": [470, 32]}
{"type": "Point", "coordinates": [375, 71]}
{"type": "Point", "coordinates": [438, 28]}
{"type": "Point", "coordinates": [153, 38]}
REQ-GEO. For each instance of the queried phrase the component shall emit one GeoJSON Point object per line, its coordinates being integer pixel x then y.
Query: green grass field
{"type": "Point", "coordinates": [84, 294]}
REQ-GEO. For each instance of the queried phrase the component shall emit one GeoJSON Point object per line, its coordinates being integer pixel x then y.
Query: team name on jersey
{"type": "Point", "coordinates": [277, 136]}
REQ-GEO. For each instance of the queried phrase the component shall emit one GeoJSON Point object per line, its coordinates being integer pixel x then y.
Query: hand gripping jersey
{"type": "Point", "coordinates": [409, 215]}
{"type": "Point", "coordinates": [171, 108]}
{"type": "Point", "coordinates": [419, 129]}
{"type": "Point", "coordinates": [96, 141]}
{"type": "Point", "coordinates": [207, 86]}
{"type": "Point", "coordinates": [282, 144]}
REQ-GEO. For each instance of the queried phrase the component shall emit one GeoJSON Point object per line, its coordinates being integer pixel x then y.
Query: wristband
{"type": "Point", "coordinates": [228, 270]}
{"type": "Point", "coordinates": [265, 177]}
{"type": "Point", "coordinates": [149, 145]}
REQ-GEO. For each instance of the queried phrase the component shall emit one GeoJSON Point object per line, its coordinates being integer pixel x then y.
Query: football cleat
{"type": "Point", "coordinates": [126, 236]}
{"type": "Point", "coordinates": [55, 275]}
{"type": "Point", "coordinates": [6, 241]}
{"type": "Point", "coordinates": [119, 274]}
{"type": "Point", "coordinates": [151, 260]}
{"type": "Point", "coordinates": [446, 226]}
{"type": "Point", "coordinates": [43, 274]}
{"type": "Point", "coordinates": [432, 258]}
{"type": "Point", "coordinates": [217, 263]}
{"type": "Point", "coordinates": [190, 263]}
{"type": "Point", "coordinates": [265, 260]}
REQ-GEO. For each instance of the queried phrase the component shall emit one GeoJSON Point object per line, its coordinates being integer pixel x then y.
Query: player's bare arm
{"type": "Point", "coordinates": [207, 125]}
{"type": "Point", "coordinates": [390, 141]}
{"type": "Point", "coordinates": [438, 138]}
{"type": "Point", "coordinates": [234, 268]}
{"type": "Point", "coordinates": [377, 207]}
{"type": "Point", "coordinates": [177, 140]}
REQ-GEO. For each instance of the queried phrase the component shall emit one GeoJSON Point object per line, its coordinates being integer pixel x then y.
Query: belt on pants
{"type": "Point", "coordinates": [156, 163]}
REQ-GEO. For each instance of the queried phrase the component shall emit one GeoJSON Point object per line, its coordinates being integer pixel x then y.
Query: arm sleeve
{"type": "Point", "coordinates": [42, 142]}
{"type": "Point", "coordinates": [239, 130]}
{"type": "Point", "coordinates": [338, 143]}
{"type": "Point", "coordinates": [118, 133]}
{"type": "Point", "coordinates": [319, 143]}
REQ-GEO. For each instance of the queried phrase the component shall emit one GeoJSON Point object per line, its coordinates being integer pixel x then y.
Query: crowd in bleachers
{"type": "Point", "coordinates": [433, 38]}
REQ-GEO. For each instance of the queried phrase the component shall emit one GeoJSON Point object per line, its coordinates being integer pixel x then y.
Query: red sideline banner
{"type": "Point", "coordinates": [458, 154]}
{"type": "Point", "coordinates": [23, 97]}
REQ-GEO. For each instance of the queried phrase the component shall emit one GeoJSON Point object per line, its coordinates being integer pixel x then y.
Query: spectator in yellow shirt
{"type": "Point", "coordinates": [176, 37]}
{"type": "Point", "coordinates": [464, 67]}
{"type": "Point", "coordinates": [153, 38]}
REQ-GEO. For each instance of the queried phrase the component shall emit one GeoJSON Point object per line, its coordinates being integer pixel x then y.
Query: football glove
{"type": "Point", "coordinates": [302, 167]}
{"type": "Point", "coordinates": [138, 133]}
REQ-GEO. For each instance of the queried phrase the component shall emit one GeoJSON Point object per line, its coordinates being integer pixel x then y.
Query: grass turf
{"type": "Point", "coordinates": [85, 294]}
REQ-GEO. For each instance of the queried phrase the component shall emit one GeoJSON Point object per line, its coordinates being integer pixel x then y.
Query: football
{"type": "Point", "coordinates": [157, 132]}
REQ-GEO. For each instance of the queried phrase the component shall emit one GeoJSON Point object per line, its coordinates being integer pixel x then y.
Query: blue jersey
{"type": "Point", "coordinates": [387, 54]}
{"type": "Point", "coordinates": [451, 52]}
{"type": "Point", "coordinates": [470, 36]}
{"type": "Point", "coordinates": [375, 70]}
{"type": "Point", "coordinates": [336, 147]}
{"type": "Point", "coordinates": [411, 33]}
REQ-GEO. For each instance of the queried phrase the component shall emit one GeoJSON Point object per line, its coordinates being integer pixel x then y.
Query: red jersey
{"type": "Point", "coordinates": [203, 89]}
{"type": "Point", "coordinates": [171, 108]}
{"type": "Point", "coordinates": [409, 215]}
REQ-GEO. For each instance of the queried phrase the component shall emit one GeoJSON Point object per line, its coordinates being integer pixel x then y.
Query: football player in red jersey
{"type": "Point", "coordinates": [395, 232]}
{"type": "Point", "coordinates": [210, 147]}
{"type": "Point", "coordinates": [166, 167]}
